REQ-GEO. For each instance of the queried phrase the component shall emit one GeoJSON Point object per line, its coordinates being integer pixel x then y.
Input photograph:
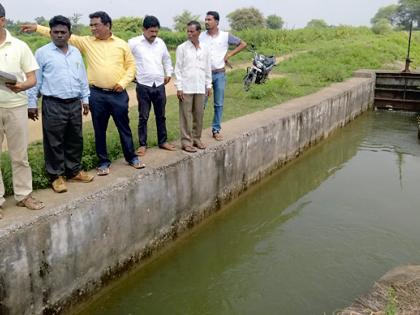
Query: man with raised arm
{"type": "Point", "coordinates": [154, 71]}
{"type": "Point", "coordinates": [218, 43]}
{"type": "Point", "coordinates": [110, 68]}
{"type": "Point", "coordinates": [62, 82]}
{"type": "Point", "coordinates": [17, 60]}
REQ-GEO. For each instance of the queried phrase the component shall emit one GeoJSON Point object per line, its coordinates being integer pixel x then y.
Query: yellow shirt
{"type": "Point", "coordinates": [108, 61]}
{"type": "Point", "coordinates": [16, 58]}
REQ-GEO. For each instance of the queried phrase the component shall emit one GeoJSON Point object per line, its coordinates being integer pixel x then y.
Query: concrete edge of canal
{"type": "Point", "coordinates": [72, 249]}
{"type": "Point", "coordinates": [396, 292]}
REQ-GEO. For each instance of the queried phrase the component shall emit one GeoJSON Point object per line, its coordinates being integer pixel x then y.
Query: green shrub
{"type": "Point", "coordinates": [382, 26]}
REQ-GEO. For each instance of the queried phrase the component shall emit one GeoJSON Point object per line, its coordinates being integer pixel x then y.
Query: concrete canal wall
{"type": "Point", "coordinates": [54, 257]}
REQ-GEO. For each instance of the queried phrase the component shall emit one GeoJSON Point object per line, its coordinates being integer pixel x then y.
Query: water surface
{"type": "Point", "coordinates": [307, 240]}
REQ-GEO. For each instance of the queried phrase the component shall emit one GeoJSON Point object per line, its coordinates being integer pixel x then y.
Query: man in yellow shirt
{"type": "Point", "coordinates": [110, 68]}
{"type": "Point", "coordinates": [16, 58]}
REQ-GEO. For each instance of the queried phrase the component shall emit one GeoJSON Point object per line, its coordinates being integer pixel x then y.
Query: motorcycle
{"type": "Point", "coordinates": [261, 67]}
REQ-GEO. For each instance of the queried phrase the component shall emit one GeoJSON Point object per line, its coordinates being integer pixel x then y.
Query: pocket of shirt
{"type": "Point", "coordinates": [201, 61]}
{"type": "Point", "coordinates": [115, 55]}
{"type": "Point", "coordinates": [11, 63]}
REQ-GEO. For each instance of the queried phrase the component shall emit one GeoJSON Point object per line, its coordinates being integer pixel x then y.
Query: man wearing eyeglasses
{"type": "Point", "coordinates": [110, 68]}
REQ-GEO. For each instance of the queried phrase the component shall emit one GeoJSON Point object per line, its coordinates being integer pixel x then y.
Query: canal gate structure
{"type": "Point", "coordinates": [398, 90]}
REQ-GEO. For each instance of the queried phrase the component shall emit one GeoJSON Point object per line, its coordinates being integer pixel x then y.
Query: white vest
{"type": "Point", "coordinates": [218, 46]}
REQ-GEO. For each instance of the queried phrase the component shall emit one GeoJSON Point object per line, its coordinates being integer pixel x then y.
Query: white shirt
{"type": "Point", "coordinates": [153, 61]}
{"type": "Point", "coordinates": [218, 45]}
{"type": "Point", "coordinates": [192, 68]}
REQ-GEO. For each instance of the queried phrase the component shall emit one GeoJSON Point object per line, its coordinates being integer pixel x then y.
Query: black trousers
{"type": "Point", "coordinates": [146, 96]}
{"type": "Point", "coordinates": [62, 136]}
{"type": "Point", "coordinates": [103, 105]}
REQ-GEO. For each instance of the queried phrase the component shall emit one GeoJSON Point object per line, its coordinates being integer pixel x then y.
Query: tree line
{"type": "Point", "coordinates": [239, 19]}
{"type": "Point", "coordinates": [397, 16]}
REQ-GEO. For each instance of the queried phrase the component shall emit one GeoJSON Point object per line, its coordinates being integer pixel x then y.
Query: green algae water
{"type": "Point", "coordinates": [307, 240]}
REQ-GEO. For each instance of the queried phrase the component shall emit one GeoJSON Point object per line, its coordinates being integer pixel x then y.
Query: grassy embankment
{"type": "Point", "coordinates": [321, 57]}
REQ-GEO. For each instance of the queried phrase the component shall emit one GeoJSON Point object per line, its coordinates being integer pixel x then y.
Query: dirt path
{"type": "Point", "coordinates": [35, 127]}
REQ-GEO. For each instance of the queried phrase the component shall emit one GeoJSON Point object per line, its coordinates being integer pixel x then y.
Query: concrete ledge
{"type": "Point", "coordinates": [53, 258]}
{"type": "Point", "coordinates": [399, 289]}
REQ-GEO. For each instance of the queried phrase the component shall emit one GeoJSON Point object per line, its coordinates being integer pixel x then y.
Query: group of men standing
{"type": "Point", "coordinates": [57, 73]}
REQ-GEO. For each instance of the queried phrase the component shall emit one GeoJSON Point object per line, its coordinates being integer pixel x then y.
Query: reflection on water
{"type": "Point", "coordinates": [307, 240]}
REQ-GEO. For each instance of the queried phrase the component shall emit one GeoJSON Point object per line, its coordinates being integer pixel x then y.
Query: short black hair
{"type": "Point", "coordinates": [2, 11]}
{"type": "Point", "coordinates": [105, 18]}
{"type": "Point", "coordinates": [214, 14]}
{"type": "Point", "coordinates": [150, 21]}
{"type": "Point", "coordinates": [197, 25]}
{"type": "Point", "coordinates": [60, 20]}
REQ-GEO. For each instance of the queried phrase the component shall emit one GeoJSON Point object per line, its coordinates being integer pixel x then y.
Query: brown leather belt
{"type": "Point", "coordinates": [218, 70]}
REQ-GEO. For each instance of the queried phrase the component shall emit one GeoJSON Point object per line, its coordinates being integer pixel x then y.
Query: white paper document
{"type": "Point", "coordinates": [6, 77]}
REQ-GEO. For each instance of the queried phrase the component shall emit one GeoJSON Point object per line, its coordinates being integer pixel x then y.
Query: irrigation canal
{"type": "Point", "coordinates": [307, 240]}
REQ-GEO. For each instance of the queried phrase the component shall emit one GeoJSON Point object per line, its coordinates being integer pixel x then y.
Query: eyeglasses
{"type": "Point", "coordinates": [95, 25]}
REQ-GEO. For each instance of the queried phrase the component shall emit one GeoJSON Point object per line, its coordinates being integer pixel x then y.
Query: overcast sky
{"type": "Point", "coordinates": [295, 13]}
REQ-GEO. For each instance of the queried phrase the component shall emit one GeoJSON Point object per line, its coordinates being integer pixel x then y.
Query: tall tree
{"type": "Point", "coordinates": [400, 14]}
{"type": "Point", "coordinates": [409, 10]}
{"type": "Point", "coordinates": [12, 26]}
{"type": "Point", "coordinates": [182, 20]}
{"type": "Point", "coordinates": [389, 13]}
{"type": "Point", "coordinates": [127, 24]}
{"type": "Point", "coordinates": [317, 23]}
{"type": "Point", "coordinates": [76, 25]}
{"type": "Point", "coordinates": [41, 20]}
{"type": "Point", "coordinates": [245, 18]}
{"type": "Point", "coordinates": [274, 21]}
{"type": "Point", "coordinates": [75, 18]}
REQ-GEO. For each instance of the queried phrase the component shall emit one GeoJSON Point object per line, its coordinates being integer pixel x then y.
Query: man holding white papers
{"type": "Point", "coordinates": [16, 58]}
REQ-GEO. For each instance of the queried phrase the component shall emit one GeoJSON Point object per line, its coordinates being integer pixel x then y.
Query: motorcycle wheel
{"type": "Point", "coordinates": [264, 78]}
{"type": "Point", "coordinates": [248, 80]}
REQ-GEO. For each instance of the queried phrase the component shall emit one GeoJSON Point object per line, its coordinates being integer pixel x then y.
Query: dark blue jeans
{"type": "Point", "coordinates": [104, 104]}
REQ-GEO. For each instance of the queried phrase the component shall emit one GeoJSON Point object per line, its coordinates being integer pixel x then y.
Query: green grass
{"type": "Point", "coordinates": [392, 305]}
{"type": "Point", "coordinates": [321, 57]}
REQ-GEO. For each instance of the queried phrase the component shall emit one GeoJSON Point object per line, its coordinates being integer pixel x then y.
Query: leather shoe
{"type": "Point", "coordinates": [31, 203]}
{"type": "Point", "coordinates": [141, 151]}
{"type": "Point", "coordinates": [167, 146]}
{"type": "Point", "coordinates": [189, 149]}
{"type": "Point", "coordinates": [200, 145]}
{"type": "Point", "coordinates": [59, 185]}
{"type": "Point", "coordinates": [136, 163]}
{"type": "Point", "coordinates": [217, 136]}
{"type": "Point", "coordinates": [83, 177]}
